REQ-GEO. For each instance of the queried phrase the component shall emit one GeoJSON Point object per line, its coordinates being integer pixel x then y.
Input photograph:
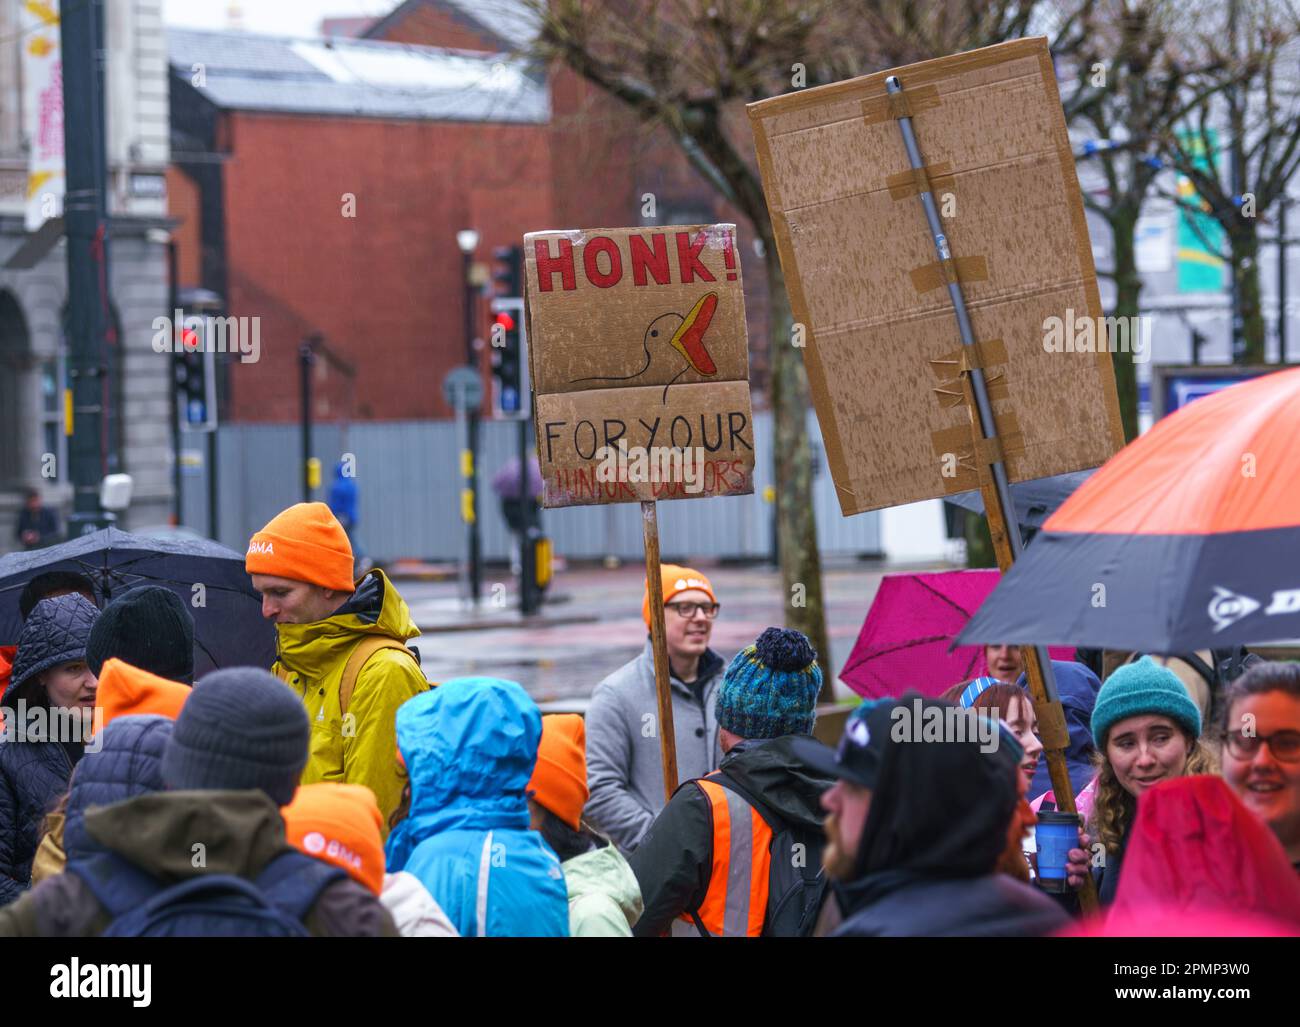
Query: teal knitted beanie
{"type": "Point", "coordinates": [770, 689]}
{"type": "Point", "coordinates": [1139, 688]}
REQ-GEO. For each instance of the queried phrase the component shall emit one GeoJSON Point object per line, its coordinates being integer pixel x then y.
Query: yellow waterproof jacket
{"type": "Point", "coordinates": [361, 747]}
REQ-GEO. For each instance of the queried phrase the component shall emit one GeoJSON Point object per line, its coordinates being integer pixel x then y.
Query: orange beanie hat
{"type": "Point", "coordinates": [125, 690]}
{"type": "Point", "coordinates": [676, 579]}
{"type": "Point", "coordinates": [304, 543]}
{"type": "Point", "coordinates": [340, 824]}
{"type": "Point", "coordinates": [560, 777]}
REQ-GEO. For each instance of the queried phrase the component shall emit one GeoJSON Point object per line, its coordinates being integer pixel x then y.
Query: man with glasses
{"type": "Point", "coordinates": [624, 768]}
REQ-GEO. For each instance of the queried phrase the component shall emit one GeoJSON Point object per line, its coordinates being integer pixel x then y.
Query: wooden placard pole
{"type": "Point", "coordinates": [1052, 728]}
{"type": "Point", "coordinates": [1004, 527]}
{"type": "Point", "coordinates": [659, 646]}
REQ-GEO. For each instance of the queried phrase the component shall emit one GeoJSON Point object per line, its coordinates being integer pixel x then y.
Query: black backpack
{"type": "Point", "coordinates": [796, 882]}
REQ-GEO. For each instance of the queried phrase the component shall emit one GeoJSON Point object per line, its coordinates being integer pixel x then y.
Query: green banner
{"type": "Point", "coordinates": [1200, 268]}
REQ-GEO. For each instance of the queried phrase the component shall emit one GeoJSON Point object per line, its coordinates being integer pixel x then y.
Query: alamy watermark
{"type": "Point", "coordinates": [639, 464]}
{"type": "Point", "coordinates": [920, 723]}
{"type": "Point", "coordinates": [195, 334]}
{"type": "Point", "coordinates": [1088, 334]}
{"type": "Point", "coordinates": [40, 723]}
{"type": "Point", "coordinates": [75, 979]}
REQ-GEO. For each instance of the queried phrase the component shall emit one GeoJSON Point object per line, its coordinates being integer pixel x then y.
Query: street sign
{"type": "Point", "coordinates": [463, 389]}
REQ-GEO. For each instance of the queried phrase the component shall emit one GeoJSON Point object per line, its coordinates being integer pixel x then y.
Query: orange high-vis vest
{"type": "Point", "coordinates": [735, 905]}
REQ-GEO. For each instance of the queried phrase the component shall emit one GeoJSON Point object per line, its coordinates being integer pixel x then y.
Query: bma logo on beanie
{"type": "Point", "coordinates": [303, 543]}
{"type": "Point", "coordinates": [316, 844]}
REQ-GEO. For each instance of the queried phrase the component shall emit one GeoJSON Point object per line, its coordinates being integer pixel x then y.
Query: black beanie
{"type": "Point", "coordinates": [149, 628]}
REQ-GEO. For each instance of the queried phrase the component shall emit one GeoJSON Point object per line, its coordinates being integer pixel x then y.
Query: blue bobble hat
{"type": "Point", "coordinates": [770, 689]}
{"type": "Point", "coordinates": [1140, 688]}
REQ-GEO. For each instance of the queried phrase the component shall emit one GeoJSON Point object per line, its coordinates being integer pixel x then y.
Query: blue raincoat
{"type": "Point", "coordinates": [469, 747]}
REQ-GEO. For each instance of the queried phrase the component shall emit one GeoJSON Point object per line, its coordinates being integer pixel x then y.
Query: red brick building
{"type": "Point", "coordinates": [319, 185]}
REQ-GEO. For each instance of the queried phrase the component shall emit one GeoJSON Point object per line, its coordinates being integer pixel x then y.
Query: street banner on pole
{"type": "Point", "coordinates": [1200, 236]}
{"type": "Point", "coordinates": [42, 67]}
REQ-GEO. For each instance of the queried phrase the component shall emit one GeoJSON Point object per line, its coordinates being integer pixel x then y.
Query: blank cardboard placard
{"type": "Point", "coordinates": [883, 351]}
{"type": "Point", "coordinates": [640, 364]}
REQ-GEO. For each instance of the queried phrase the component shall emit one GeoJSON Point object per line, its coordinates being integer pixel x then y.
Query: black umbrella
{"type": "Point", "coordinates": [1035, 500]}
{"type": "Point", "coordinates": [228, 625]}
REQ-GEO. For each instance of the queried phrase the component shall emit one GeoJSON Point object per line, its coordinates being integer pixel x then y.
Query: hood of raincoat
{"type": "Point", "coordinates": [241, 831]}
{"type": "Point", "coordinates": [1195, 847]}
{"type": "Point", "coordinates": [939, 811]}
{"type": "Point", "coordinates": [55, 632]}
{"type": "Point", "coordinates": [1078, 687]}
{"type": "Point", "coordinates": [772, 772]}
{"type": "Point", "coordinates": [375, 608]}
{"type": "Point", "coordinates": [128, 763]}
{"type": "Point", "coordinates": [603, 873]}
{"type": "Point", "coordinates": [469, 747]}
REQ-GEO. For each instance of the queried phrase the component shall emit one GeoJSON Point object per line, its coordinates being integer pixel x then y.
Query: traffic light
{"type": "Point", "coordinates": [508, 363]}
{"type": "Point", "coordinates": [509, 273]}
{"type": "Point", "coordinates": [195, 377]}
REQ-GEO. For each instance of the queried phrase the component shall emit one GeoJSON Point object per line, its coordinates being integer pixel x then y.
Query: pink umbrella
{"type": "Point", "coordinates": [904, 642]}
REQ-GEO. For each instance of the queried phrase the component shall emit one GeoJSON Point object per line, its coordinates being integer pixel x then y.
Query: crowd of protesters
{"type": "Point", "coordinates": [338, 793]}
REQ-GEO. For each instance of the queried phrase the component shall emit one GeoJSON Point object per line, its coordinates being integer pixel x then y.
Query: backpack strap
{"type": "Point", "coordinates": [294, 881]}
{"type": "Point", "coordinates": [117, 885]}
{"type": "Point", "coordinates": [361, 652]}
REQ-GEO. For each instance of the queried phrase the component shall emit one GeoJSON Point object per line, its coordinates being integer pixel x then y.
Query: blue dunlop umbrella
{"type": "Point", "coordinates": [210, 579]}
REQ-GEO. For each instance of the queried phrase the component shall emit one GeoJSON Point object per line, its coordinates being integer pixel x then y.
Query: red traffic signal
{"type": "Point", "coordinates": [506, 321]}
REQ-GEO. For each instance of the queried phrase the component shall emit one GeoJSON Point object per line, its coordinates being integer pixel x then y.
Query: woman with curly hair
{"type": "Point", "coordinates": [1147, 729]}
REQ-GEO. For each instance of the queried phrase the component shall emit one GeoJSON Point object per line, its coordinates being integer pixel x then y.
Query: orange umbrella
{"type": "Point", "coordinates": [1186, 539]}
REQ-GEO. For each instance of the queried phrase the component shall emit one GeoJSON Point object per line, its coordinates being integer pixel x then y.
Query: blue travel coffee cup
{"type": "Point", "coordinates": [1056, 835]}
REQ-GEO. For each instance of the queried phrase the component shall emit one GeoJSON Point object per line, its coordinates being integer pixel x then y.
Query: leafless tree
{"type": "Point", "coordinates": [690, 66]}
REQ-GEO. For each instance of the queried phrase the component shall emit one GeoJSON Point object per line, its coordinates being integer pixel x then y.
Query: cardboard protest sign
{"type": "Point", "coordinates": [883, 352]}
{"type": "Point", "coordinates": [639, 360]}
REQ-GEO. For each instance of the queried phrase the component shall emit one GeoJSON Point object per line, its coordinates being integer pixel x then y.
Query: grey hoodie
{"type": "Point", "coordinates": [624, 767]}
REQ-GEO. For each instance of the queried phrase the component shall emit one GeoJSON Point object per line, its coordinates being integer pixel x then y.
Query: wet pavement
{"type": "Point", "coordinates": [593, 625]}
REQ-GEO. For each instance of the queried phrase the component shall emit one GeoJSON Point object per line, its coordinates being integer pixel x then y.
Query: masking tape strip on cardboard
{"type": "Point", "coordinates": [974, 454]}
{"type": "Point", "coordinates": [949, 272]}
{"type": "Point", "coordinates": [906, 104]}
{"type": "Point", "coordinates": [914, 181]}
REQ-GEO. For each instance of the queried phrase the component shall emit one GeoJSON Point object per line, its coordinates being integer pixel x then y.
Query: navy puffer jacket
{"type": "Point", "coordinates": [128, 763]}
{"type": "Point", "coordinates": [34, 774]}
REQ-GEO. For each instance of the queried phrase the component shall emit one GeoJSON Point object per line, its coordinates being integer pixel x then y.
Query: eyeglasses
{"type": "Point", "coordinates": [687, 610]}
{"type": "Point", "coordinates": [1285, 745]}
